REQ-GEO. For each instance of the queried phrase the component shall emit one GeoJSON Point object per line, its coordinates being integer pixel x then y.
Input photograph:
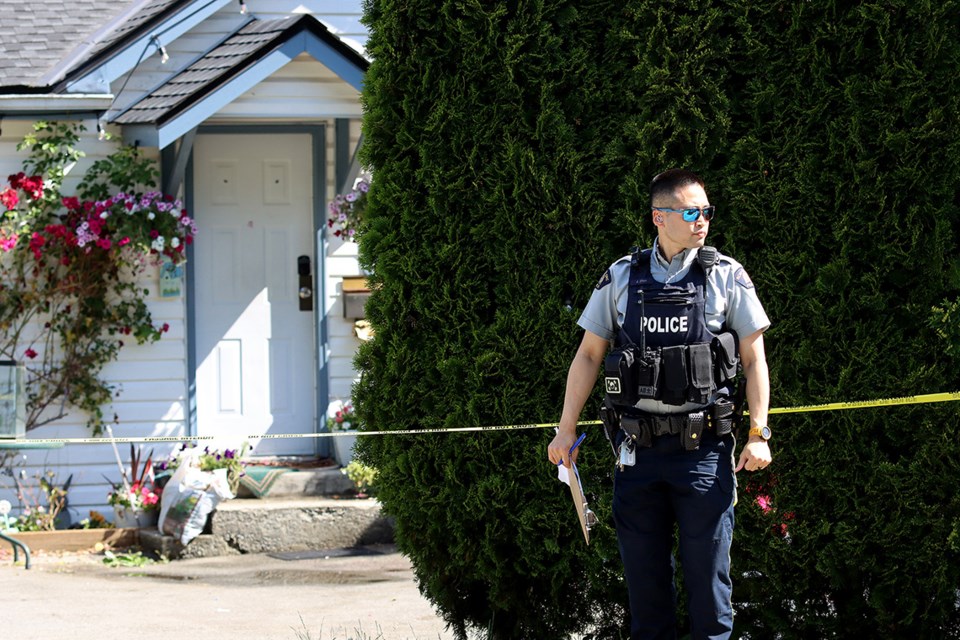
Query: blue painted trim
{"type": "Point", "coordinates": [329, 57]}
{"type": "Point", "coordinates": [188, 197]}
{"type": "Point", "coordinates": [318, 152]}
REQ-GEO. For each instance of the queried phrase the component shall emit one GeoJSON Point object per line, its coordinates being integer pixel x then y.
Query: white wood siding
{"type": "Point", "coordinates": [150, 379]}
{"type": "Point", "coordinates": [303, 90]}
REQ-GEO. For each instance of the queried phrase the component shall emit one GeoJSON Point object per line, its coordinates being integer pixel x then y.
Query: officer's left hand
{"type": "Point", "coordinates": [755, 456]}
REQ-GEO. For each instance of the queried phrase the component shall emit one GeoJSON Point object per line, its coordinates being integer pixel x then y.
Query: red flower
{"type": "Point", "coordinates": [33, 186]}
{"type": "Point", "coordinates": [71, 204]}
{"type": "Point", "coordinates": [123, 241]}
{"type": "Point", "coordinates": [154, 234]}
{"type": "Point", "coordinates": [9, 198]}
{"type": "Point", "coordinates": [165, 328]}
{"type": "Point", "coordinates": [36, 244]}
{"type": "Point", "coordinates": [30, 353]}
{"type": "Point", "coordinates": [104, 243]}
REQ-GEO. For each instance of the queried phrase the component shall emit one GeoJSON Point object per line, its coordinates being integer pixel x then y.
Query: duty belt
{"type": "Point", "coordinates": [666, 425]}
{"type": "Point", "coordinates": [642, 428]}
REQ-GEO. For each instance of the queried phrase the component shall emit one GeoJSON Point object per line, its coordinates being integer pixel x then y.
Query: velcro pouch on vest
{"type": "Point", "coordinates": [674, 363]}
{"type": "Point", "coordinates": [701, 373]}
{"type": "Point", "coordinates": [725, 356]}
{"type": "Point", "coordinates": [618, 377]}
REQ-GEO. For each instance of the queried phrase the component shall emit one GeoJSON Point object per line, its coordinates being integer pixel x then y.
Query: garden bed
{"type": "Point", "coordinates": [76, 539]}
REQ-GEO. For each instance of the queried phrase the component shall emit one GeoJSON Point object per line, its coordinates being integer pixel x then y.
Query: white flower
{"type": "Point", "coordinates": [157, 245]}
{"type": "Point", "coordinates": [151, 215]}
{"type": "Point", "coordinates": [174, 242]}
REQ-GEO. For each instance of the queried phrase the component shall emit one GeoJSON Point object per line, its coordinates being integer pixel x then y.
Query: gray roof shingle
{"type": "Point", "coordinates": [45, 32]}
{"type": "Point", "coordinates": [37, 35]}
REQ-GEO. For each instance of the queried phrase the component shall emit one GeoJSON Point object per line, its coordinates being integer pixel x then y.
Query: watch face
{"type": "Point", "coordinates": [765, 433]}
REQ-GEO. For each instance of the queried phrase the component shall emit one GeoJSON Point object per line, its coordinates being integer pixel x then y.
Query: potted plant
{"type": "Point", "coordinates": [343, 422]}
{"type": "Point", "coordinates": [135, 501]}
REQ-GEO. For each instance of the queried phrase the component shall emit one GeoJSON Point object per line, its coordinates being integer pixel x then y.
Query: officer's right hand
{"type": "Point", "coordinates": [559, 449]}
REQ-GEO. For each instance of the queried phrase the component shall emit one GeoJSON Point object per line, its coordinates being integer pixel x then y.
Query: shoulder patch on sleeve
{"type": "Point", "coordinates": [743, 279]}
{"type": "Point", "coordinates": [605, 279]}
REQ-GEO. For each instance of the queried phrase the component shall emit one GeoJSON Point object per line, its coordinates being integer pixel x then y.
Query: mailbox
{"type": "Point", "coordinates": [356, 291]}
{"type": "Point", "coordinates": [13, 408]}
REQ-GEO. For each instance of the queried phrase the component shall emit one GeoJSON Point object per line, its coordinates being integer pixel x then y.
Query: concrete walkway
{"type": "Point", "coordinates": [330, 595]}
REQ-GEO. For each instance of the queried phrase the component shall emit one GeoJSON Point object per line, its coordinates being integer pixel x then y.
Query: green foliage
{"type": "Point", "coordinates": [362, 476]}
{"type": "Point", "coordinates": [126, 559]}
{"type": "Point", "coordinates": [511, 146]}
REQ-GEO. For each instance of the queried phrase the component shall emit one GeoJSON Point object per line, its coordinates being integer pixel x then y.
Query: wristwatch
{"type": "Point", "coordinates": [763, 432]}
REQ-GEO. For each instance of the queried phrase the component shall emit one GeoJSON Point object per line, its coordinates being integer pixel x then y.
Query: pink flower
{"type": "Point", "coordinates": [8, 243]}
{"type": "Point", "coordinates": [104, 243]}
{"type": "Point", "coordinates": [764, 503]}
{"type": "Point", "coordinates": [124, 241]}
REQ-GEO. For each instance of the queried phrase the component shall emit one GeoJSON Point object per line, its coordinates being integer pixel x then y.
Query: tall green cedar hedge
{"type": "Point", "coordinates": [512, 144]}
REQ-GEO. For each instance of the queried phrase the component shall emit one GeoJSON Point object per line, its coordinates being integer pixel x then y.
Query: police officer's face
{"type": "Point", "coordinates": [675, 234]}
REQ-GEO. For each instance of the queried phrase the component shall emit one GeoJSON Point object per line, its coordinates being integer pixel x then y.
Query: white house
{"type": "Point", "coordinates": [252, 109]}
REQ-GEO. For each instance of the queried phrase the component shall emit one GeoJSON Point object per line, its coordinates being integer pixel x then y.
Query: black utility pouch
{"type": "Point", "coordinates": [619, 377]}
{"type": "Point", "coordinates": [725, 357]}
{"type": "Point", "coordinates": [638, 430]}
{"type": "Point", "coordinates": [692, 431]}
{"type": "Point", "coordinates": [722, 415]}
{"type": "Point", "coordinates": [674, 365]}
{"type": "Point", "coordinates": [701, 373]}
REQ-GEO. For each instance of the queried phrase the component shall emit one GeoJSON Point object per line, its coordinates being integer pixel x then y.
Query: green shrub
{"type": "Point", "coordinates": [511, 146]}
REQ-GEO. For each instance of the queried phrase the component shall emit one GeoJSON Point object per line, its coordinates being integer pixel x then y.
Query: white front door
{"type": "Point", "coordinates": [255, 348]}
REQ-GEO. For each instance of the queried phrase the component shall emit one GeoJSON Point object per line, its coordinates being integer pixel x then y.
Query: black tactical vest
{"type": "Point", "coordinates": [664, 350]}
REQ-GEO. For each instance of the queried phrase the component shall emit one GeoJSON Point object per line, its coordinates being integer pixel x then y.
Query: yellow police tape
{"type": "Point", "coordinates": [834, 406]}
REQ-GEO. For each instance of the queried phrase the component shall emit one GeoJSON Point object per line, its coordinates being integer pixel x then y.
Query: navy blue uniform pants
{"type": "Point", "coordinates": [694, 490]}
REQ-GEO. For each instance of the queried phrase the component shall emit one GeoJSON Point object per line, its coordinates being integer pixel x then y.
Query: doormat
{"type": "Point", "coordinates": [259, 480]}
{"type": "Point", "coordinates": [311, 554]}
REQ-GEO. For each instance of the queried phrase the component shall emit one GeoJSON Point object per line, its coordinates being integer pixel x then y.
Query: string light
{"type": "Point", "coordinates": [243, 8]}
{"type": "Point", "coordinates": [163, 51]}
{"type": "Point", "coordinates": [101, 130]}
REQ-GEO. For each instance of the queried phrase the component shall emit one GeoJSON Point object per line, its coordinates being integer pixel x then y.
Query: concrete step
{"type": "Point", "coordinates": [288, 524]}
{"type": "Point", "coordinates": [326, 481]}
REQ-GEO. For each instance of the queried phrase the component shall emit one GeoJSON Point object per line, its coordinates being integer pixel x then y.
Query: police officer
{"type": "Point", "coordinates": [672, 314]}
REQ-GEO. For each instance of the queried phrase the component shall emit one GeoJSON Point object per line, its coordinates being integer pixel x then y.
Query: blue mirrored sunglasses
{"type": "Point", "coordinates": [691, 214]}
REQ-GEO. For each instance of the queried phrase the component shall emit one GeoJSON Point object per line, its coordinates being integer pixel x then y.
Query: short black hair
{"type": "Point", "coordinates": [667, 183]}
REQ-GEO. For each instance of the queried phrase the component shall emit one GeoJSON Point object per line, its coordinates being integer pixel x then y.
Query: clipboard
{"type": "Point", "coordinates": [584, 514]}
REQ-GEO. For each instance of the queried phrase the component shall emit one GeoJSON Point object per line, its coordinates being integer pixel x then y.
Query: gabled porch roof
{"type": "Point", "coordinates": [253, 53]}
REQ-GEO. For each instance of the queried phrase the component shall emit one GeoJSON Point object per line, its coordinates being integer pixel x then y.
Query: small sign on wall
{"type": "Point", "coordinates": [171, 278]}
